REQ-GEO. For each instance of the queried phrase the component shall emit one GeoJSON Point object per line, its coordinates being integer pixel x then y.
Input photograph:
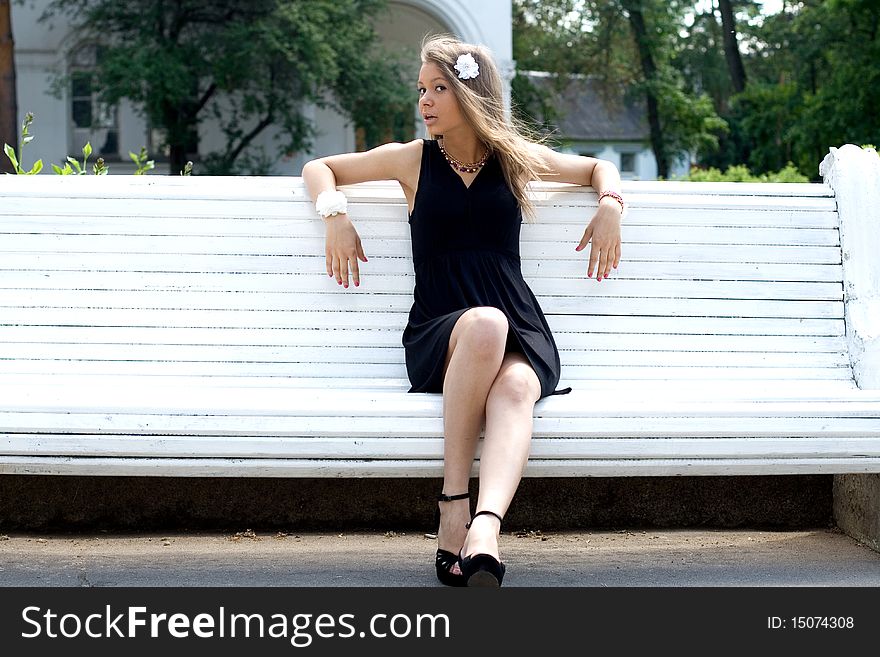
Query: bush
{"type": "Point", "coordinates": [740, 173]}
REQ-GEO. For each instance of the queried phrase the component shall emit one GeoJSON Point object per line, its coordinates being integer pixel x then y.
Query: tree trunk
{"type": "Point", "coordinates": [649, 70]}
{"type": "Point", "coordinates": [8, 99]}
{"type": "Point", "coordinates": [731, 48]}
{"type": "Point", "coordinates": [177, 158]}
{"type": "Point", "coordinates": [180, 125]}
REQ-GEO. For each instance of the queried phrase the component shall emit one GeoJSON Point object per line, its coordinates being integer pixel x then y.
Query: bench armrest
{"type": "Point", "coordinates": [854, 174]}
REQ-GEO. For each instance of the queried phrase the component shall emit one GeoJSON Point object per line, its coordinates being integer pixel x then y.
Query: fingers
{"type": "Point", "coordinates": [594, 259]}
{"type": "Point", "coordinates": [603, 258]}
{"type": "Point", "coordinates": [343, 272]}
{"type": "Point", "coordinates": [355, 273]}
{"type": "Point", "coordinates": [604, 265]}
{"type": "Point", "coordinates": [343, 268]}
{"type": "Point", "coordinates": [588, 235]}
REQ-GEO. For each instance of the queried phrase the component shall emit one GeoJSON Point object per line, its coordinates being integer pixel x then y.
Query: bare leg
{"type": "Point", "coordinates": [509, 418]}
{"type": "Point", "coordinates": [475, 354]}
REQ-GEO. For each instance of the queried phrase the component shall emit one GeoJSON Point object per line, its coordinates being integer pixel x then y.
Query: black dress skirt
{"type": "Point", "coordinates": [465, 246]}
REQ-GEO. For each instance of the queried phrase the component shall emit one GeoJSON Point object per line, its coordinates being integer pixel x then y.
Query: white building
{"type": "Point", "coordinates": [64, 123]}
{"type": "Point", "coordinates": [612, 128]}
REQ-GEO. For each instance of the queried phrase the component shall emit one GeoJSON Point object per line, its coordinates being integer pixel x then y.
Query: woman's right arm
{"type": "Point", "coordinates": [386, 162]}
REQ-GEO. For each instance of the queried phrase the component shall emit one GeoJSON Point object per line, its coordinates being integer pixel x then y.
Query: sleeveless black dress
{"type": "Point", "coordinates": [465, 246]}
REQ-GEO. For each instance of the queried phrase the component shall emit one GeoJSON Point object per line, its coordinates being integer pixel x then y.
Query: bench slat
{"type": "Point", "coordinates": [569, 373]}
{"type": "Point", "coordinates": [53, 227]}
{"type": "Point", "coordinates": [359, 354]}
{"type": "Point", "coordinates": [314, 266]}
{"type": "Point", "coordinates": [338, 299]}
{"type": "Point", "coordinates": [341, 424]}
{"type": "Point", "coordinates": [396, 321]}
{"type": "Point", "coordinates": [373, 337]}
{"type": "Point", "coordinates": [310, 246]}
{"type": "Point", "coordinates": [315, 401]}
{"type": "Point", "coordinates": [201, 467]}
{"type": "Point", "coordinates": [695, 389]}
{"type": "Point", "coordinates": [659, 447]}
{"type": "Point", "coordinates": [231, 283]}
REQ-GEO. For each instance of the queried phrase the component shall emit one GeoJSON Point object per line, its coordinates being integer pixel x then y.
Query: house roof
{"type": "Point", "coordinates": [589, 115]}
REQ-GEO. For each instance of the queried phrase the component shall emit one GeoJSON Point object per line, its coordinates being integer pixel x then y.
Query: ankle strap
{"type": "Point", "coordinates": [479, 513]}
{"type": "Point", "coordinates": [449, 498]}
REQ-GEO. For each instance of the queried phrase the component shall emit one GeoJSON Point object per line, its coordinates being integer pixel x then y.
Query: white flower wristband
{"type": "Point", "coordinates": [331, 203]}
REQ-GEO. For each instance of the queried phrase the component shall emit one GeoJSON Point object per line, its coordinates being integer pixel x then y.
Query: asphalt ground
{"type": "Point", "coordinates": [821, 557]}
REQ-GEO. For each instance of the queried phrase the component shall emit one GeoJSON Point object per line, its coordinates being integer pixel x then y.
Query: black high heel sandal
{"type": "Point", "coordinates": [446, 559]}
{"type": "Point", "coordinates": [482, 569]}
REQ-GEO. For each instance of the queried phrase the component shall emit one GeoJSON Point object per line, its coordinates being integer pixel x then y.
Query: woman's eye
{"type": "Point", "coordinates": [439, 86]}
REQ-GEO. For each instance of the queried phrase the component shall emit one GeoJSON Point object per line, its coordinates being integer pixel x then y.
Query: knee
{"type": "Point", "coordinates": [486, 330]}
{"type": "Point", "coordinates": [518, 385]}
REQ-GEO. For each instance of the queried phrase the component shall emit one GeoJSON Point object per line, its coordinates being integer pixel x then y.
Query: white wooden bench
{"type": "Point", "coordinates": [187, 327]}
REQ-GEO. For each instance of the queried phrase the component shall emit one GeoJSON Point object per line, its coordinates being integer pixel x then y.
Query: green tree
{"type": "Point", "coordinates": [814, 82]}
{"type": "Point", "coordinates": [247, 65]}
{"type": "Point", "coordinates": [624, 45]}
{"type": "Point", "coordinates": [707, 56]}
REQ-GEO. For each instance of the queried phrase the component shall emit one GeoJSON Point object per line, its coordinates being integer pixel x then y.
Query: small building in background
{"type": "Point", "coordinates": [599, 123]}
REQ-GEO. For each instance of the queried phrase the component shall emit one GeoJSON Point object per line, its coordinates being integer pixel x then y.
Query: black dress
{"type": "Point", "coordinates": [465, 246]}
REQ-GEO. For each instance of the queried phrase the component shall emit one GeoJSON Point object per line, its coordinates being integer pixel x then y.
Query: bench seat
{"type": "Point", "coordinates": [278, 431]}
{"type": "Point", "coordinates": [187, 327]}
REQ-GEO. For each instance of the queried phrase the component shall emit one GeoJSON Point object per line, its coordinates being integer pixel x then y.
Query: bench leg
{"type": "Point", "coordinates": [857, 507]}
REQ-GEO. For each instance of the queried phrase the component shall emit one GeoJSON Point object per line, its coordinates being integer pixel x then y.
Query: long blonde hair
{"type": "Point", "coordinates": [482, 104]}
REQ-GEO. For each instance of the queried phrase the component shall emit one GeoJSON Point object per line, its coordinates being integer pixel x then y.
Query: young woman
{"type": "Point", "coordinates": [475, 332]}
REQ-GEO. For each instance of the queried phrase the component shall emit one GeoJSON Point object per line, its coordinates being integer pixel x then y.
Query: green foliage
{"type": "Point", "coordinates": [248, 65]}
{"type": "Point", "coordinates": [72, 166]}
{"type": "Point", "coordinates": [812, 71]}
{"type": "Point", "coordinates": [141, 162]}
{"type": "Point", "coordinates": [814, 81]}
{"type": "Point", "coordinates": [17, 159]}
{"type": "Point", "coordinates": [741, 173]}
{"type": "Point", "coordinates": [689, 120]}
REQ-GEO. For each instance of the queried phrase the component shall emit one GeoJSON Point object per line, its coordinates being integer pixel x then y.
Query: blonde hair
{"type": "Point", "coordinates": [482, 104]}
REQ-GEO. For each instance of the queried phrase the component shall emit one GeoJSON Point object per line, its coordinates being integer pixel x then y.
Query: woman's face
{"type": "Point", "coordinates": [437, 102]}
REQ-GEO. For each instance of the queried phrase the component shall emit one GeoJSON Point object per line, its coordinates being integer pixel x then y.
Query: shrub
{"type": "Point", "coordinates": [740, 173]}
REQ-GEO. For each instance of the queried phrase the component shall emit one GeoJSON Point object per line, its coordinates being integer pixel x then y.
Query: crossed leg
{"type": "Point", "coordinates": [483, 385]}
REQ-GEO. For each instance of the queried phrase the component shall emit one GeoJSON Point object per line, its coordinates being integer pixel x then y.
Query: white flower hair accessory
{"type": "Point", "coordinates": [467, 66]}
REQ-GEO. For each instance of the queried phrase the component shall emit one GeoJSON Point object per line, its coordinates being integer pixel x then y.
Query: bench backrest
{"type": "Point", "coordinates": [223, 280]}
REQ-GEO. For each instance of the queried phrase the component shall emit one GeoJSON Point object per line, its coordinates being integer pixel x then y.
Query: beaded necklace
{"type": "Point", "coordinates": [461, 166]}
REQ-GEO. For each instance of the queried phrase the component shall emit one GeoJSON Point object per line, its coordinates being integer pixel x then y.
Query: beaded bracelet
{"type": "Point", "coordinates": [617, 197]}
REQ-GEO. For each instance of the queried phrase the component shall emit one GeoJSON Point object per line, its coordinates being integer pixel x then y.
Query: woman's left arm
{"type": "Point", "coordinates": [604, 227]}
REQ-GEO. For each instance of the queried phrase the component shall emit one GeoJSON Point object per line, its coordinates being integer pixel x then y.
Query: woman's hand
{"type": "Point", "coordinates": [343, 248]}
{"type": "Point", "coordinates": [604, 231]}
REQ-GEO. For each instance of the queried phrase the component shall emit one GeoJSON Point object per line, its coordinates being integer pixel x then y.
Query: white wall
{"type": "Point", "coordinates": [36, 57]}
